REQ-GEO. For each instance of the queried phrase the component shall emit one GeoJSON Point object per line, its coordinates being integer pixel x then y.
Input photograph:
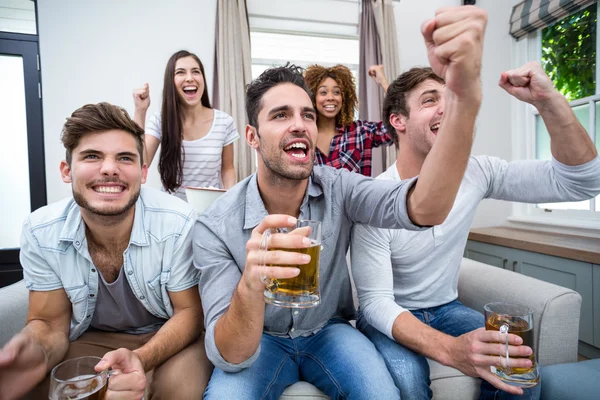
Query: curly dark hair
{"type": "Point", "coordinates": [315, 74]}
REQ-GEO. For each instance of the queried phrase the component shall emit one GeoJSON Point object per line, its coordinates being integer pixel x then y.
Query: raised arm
{"type": "Point", "coordinates": [454, 41]}
{"type": "Point", "coordinates": [378, 74]}
{"type": "Point", "coordinates": [569, 141]}
{"type": "Point", "coordinates": [141, 101]}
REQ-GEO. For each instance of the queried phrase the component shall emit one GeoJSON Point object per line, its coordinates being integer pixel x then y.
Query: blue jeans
{"type": "Point", "coordinates": [339, 360]}
{"type": "Point", "coordinates": [410, 370]}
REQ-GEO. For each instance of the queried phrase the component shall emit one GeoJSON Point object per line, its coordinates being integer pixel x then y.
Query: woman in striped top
{"type": "Point", "coordinates": [196, 140]}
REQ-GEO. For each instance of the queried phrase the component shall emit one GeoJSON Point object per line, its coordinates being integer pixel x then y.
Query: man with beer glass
{"type": "Point", "coordinates": [108, 269]}
{"type": "Point", "coordinates": [258, 350]}
{"type": "Point", "coordinates": [407, 281]}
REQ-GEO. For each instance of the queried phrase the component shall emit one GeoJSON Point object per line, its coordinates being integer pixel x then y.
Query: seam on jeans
{"type": "Point", "coordinates": [270, 385]}
{"type": "Point", "coordinates": [329, 374]}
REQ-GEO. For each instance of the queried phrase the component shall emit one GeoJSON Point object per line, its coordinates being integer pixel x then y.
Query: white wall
{"type": "Point", "coordinates": [493, 131]}
{"type": "Point", "coordinates": [99, 50]}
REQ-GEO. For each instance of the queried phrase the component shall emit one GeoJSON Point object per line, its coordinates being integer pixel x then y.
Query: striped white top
{"type": "Point", "coordinates": [202, 157]}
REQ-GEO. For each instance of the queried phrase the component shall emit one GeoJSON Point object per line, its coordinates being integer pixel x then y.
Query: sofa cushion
{"type": "Point", "coordinates": [449, 383]}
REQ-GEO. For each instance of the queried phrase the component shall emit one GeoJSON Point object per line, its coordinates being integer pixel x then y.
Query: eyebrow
{"type": "Point", "coordinates": [288, 108]}
{"type": "Point", "coordinates": [432, 91]}
{"type": "Point", "coordinates": [183, 69]}
{"type": "Point", "coordinates": [335, 87]}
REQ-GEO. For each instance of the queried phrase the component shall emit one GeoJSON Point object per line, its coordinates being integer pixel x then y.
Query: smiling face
{"type": "Point", "coordinates": [105, 173]}
{"type": "Point", "coordinates": [287, 134]}
{"type": "Point", "coordinates": [328, 98]}
{"type": "Point", "coordinates": [189, 81]}
{"type": "Point", "coordinates": [426, 109]}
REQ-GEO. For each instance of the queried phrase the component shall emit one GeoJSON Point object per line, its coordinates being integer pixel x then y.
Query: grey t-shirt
{"type": "Point", "coordinates": [118, 310]}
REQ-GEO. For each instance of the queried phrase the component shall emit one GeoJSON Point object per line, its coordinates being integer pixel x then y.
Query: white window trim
{"type": "Point", "coordinates": [528, 216]}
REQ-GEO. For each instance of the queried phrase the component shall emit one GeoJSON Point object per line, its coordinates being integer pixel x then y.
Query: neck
{"type": "Point", "coordinates": [326, 125]}
{"type": "Point", "coordinates": [281, 195]}
{"type": "Point", "coordinates": [108, 232]}
{"type": "Point", "coordinates": [409, 162]}
{"type": "Point", "coordinates": [195, 112]}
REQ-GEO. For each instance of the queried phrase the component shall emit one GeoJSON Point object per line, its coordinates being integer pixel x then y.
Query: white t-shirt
{"type": "Point", "coordinates": [397, 270]}
{"type": "Point", "coordinates": [202, 161]}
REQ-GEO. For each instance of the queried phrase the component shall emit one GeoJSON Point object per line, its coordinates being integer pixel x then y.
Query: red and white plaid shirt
{"type": "Point", "coordinates": [351, 147]}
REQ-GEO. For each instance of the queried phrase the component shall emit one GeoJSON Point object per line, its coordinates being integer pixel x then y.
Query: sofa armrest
{"type": "Point", "coordinates": [556, 310]}
{"type": "Point", "coordinates": [14, 300]}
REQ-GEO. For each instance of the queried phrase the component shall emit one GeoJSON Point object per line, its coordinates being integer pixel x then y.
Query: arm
{"type": "Point", "coordinates": [378, 74]}
{"type": "Point", "coordinates": [227, 169]}
{"type": "Point", "coordinates": [233, 301]}
{"type": "Point", "coordinates": [141, 102]}
{"type": "Point", "coordinates": [570, 143]}
{"type": "Point", "coordinates": [454, 43]}
{"type": "Point", "coordinates": [42, 344]}
{"type": "Point", "coordinates": [177, 333]}
{"type": "Point", "coordinates": [152, 139]}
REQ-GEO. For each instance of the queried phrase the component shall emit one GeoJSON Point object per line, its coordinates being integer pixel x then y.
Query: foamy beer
{"type": "Point", "coordinates": [301, 291]}
{"type": "Point", "coordinates": [518, 320]}
{"type": "Point", "coordinates": [76, 379]}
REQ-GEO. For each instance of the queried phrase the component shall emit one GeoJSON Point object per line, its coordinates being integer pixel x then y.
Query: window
{"type": "Point", "coordinates": [568, 51]}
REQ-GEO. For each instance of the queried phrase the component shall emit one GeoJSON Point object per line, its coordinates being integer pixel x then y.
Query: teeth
{"type": "Point", "coordinates": [297, 155]}
{"type": "Point", "coordinates": [296, 146]}
{"type": "Point", "coordinates": [435, 126]}
{"type": "Point", "coordinates": [190, 88]}
{"type": "Point", "coordinates": [109, 189]}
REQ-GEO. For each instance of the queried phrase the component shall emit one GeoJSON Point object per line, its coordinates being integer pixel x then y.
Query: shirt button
{"type": "Point", "coordinates": [89, 316]}
{"type": "Point", "coordinates": [292, 330]}
{"type": "Point", "coordinates": [77, 244]}
{"type": "Point", "coordinates": [296, 312]}
{"type": "Point", "coordinates": [92, 294]}
{"type": "Point", "coordinates": [142, 297]}
{"type": "Point", "coordinates": [130, 272]}
{"type": "Point", "coordinates": [93, 270]}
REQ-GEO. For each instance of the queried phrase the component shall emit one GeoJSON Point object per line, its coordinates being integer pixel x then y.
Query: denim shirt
{"type": "Point", "coordinates": [338, 198]}
{"type": "Point", "coordinates": [54, 255]}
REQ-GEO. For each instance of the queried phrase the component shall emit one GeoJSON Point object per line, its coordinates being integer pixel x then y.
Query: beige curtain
{"type": "Point", "coordinates": [232, 72]}
{"type": "Point", "coordinates": [388, 43]}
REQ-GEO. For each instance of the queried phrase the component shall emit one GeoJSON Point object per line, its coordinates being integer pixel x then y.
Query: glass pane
{"type": "Point", "coordinates": [13, 123]}
{"type": "Point", "coordinates": [597, 140]}
{"type": "Point", "coordinates": [543, 152]}
{"type": "Point", "coordinates": [569, 53]}
{"type": "Point", "coordinates": [17, 16]}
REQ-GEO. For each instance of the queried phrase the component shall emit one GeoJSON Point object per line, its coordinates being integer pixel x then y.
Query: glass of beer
{"type": "Point", "coordinates": [76, 379]}
{"type": "Point", "coordinates": [518, 320]}
{"type": "Point", "coordinates": [302, 291]}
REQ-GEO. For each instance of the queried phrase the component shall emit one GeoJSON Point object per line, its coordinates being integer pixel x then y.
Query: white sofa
{"type": "Point", "coordinates": [556, 318]}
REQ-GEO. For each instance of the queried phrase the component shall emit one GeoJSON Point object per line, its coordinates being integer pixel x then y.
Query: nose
{"type": "Point", "coordinates": [441, 106]}
{"type": "Point", "coordinates": [188, 76]}
{"type": "Point", "coordinates": [109, 167]}
{"type": "Point", "coordinates": [298, 123]}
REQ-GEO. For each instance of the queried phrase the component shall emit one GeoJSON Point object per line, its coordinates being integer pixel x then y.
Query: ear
{"type": "Point", "coordinates": [252, 137]}
{"type": "Point", "coordinates": [144, 173]}
{"type": "Point", "coordinates": [398, 121]}
{"type": "Point", "coordinates": [65, 172]}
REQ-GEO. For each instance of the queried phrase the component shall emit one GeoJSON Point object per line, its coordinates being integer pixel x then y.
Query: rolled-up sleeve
{"type": "Point", "coordinates": [37, 273]}
{"type": "Point", "coordinates": [219, 277]}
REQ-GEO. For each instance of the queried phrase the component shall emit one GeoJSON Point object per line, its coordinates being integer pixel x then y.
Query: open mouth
{"type": "Point", "coordinates": [190, 90]}
{"type": "Point", "coordinates": [434, 128]}
{"type": "Point", "coordinates": [330, 107]}
{"type": "Point", "coordinates": [298, 150]}
{"type": "Point", "coordinates": [108, 189]}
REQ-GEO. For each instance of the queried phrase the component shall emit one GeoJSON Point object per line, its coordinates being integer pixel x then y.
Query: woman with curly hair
{"type": "Point", "coordinates": [344, 142]}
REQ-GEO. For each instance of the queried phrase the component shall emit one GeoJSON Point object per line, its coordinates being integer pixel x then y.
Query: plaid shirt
{"type": "Point", "coordinates": [351, 147]}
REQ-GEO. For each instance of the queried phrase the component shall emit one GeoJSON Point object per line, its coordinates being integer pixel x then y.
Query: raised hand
{"type": "Point", "coordinates": [128, 380]}
{"type": "Point", "coordinates": [260, 263]}
{"type": "Point", "coordinates": [528, 83]}
{"type": "Point", "coordinates": [471, 356]}
{"type": "Point", "coordinates": [454, 41]}
{"type": "Point", "coordinates": [22, 366]}
{"type": "Point", "coordinates": [141, 98]}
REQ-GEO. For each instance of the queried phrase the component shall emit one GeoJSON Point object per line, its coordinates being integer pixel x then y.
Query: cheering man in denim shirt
{"type": "Point", "coordinates": [259, 350]}
{"type": "Point", "coordinates": [110, 268]}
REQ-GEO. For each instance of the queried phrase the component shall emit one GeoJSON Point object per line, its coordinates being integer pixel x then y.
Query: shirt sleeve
{"type": "Point", "coordinates": [219, 277]}
{"type": "Point", "coordinates": [378, 132]}
{"type": "Point", "coordinates": [37, 272]}
{"type": "Point", "coordinates": [231, 133]}
{"type": "Point", "coordinates": [376, 202]}
{"type": "Point", "coordinates": [153, 127]}
{"type": "Point", "coordinates": [373, 276]}
{"type": "Point", "coordinates": [536, 181]}
{"type": "Point", "coordinates": [183, 275]}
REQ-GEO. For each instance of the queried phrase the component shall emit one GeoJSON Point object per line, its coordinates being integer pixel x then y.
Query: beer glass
{"type": "Point", "coordinates": [301, 291]}
{"type": "Point", "coordinates": [76, 379]}
{"type": "Point", "coordinates": [516, 319]}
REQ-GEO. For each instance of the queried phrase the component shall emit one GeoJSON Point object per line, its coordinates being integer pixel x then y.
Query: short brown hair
{"type": "Point", "coordinates": [95, 118]}
{"type": "Point", "coordinates": [315, 74]}
{"type": "Point", "coordinates": [398, 91]}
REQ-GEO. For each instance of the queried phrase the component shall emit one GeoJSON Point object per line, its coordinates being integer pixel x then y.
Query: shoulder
{"type": "Point", "coordinates": [165, 208]}
{"type": "Point", "coordinates": [53, 215]}
{"type": "Point", "coordinates": [229, 210]}
{"type": "Point", "coordinates": [222, 116]}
